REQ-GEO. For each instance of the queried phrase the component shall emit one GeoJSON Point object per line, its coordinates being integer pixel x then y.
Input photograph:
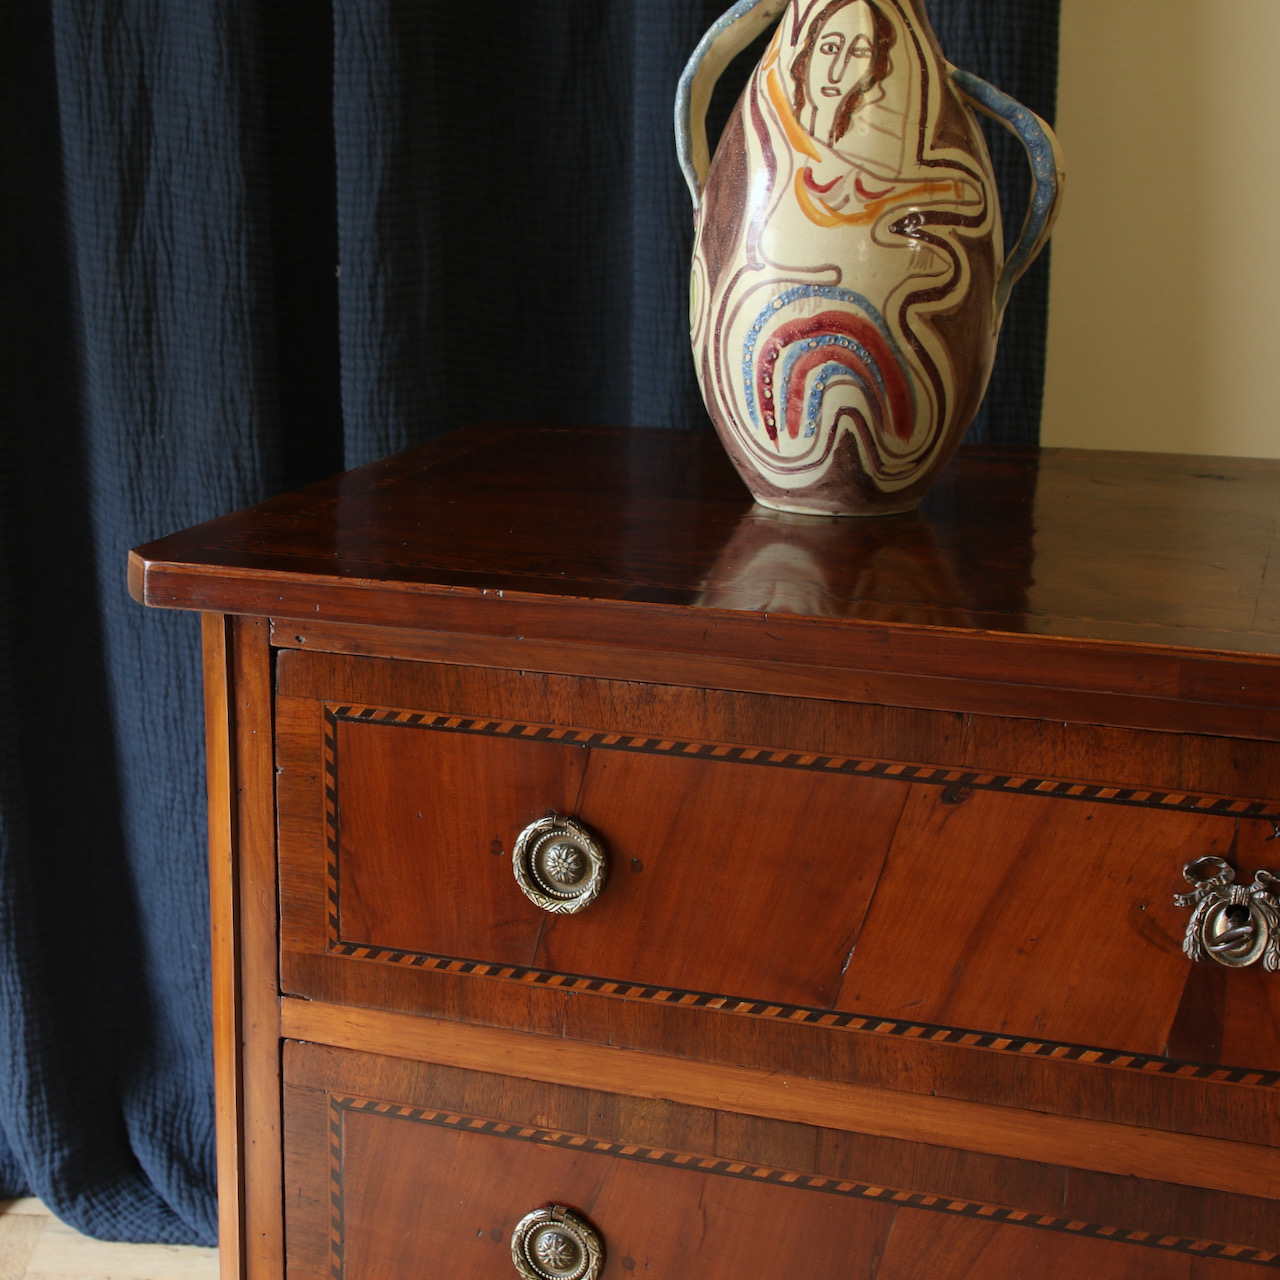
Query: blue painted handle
{"type": "Point", "coordinates": [732, 33]}
{"type": "Point", "coordinates": [1046, 171]}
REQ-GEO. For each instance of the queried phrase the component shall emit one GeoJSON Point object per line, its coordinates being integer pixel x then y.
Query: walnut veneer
{"type": "Point", "coordinates": [886, 979]}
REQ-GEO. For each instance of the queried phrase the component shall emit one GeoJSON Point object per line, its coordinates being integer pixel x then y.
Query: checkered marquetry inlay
{"type": "Point", "coordinates": [958, 779]}
{"type": "Point", "coordinates": [766, 757]}
{"type": "Point", "coordinates": [341, 1105]}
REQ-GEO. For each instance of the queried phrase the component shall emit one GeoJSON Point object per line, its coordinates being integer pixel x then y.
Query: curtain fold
{"type": "Point", "coordinates": [252, 242]}
{"type": "Point", "coordinates": [513, 231]}
{"type": "Point", "coordinates": [146, 399]}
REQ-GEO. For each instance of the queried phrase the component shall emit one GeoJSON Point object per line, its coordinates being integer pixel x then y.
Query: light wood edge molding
{"type": "Point", "coordinates": [884, 683]}
{"type": "Point", "coordinates": [223, 915]}
{"type": "Point", "coordinates": [241, 772]}
{"type": "Point", "coordinates": [1239, 1168]}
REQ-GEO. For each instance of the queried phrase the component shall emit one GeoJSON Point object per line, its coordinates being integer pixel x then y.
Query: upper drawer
{"type": "Point", "coordinates": [746, 870]}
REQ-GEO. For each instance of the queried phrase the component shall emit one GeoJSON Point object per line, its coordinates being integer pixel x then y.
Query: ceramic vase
{"type": "Point", "coordinates": [849, 273]}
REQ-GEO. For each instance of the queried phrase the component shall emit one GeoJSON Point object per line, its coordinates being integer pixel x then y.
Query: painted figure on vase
{"type": "Point", "coordinates": [841, 68]}
{"type": "Point", "coordinates": [848, 245]}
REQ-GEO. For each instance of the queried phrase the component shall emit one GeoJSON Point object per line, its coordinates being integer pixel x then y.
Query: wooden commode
{"type": "Point", "coordinates": [611, 877]}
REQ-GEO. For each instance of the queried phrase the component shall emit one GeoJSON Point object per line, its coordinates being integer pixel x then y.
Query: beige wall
{"type": "Point", "coordinates": [1164, 330]}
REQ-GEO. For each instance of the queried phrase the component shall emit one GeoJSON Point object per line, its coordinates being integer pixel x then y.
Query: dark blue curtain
{"type": "Point", "coordinates": [248, 243]}
{"type": "Point", "coordinates": [1014, 44]}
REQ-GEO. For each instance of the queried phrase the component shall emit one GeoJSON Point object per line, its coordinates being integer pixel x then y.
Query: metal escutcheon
{"type": "Point", "coordinates": [556, 1244]}
{"type": "Point", "coordinates": [1231, 924]}
{"type": "Point", "coordinates": [559, 865]}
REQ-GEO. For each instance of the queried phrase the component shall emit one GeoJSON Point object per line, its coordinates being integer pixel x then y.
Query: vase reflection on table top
{"type": "Point", "coordinates": [849, 273]}
{"type": "Point", "coordinates": [891, 570]}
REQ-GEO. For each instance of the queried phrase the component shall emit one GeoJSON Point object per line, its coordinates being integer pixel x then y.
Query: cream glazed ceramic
{"type": "Point", "coordinates": [849, 273]}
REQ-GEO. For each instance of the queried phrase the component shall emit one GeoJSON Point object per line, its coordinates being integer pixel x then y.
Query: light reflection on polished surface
{"type": "Point", "coordinates": [1097, 546]}
{"type": "Point", "coordinates": [890, 569]}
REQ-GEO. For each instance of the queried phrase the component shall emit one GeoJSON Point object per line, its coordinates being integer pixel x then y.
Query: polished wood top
{"type": "Point", "coordinates": [1042, 558]}
{"type": "Point", "coordinates": [1139, 547]}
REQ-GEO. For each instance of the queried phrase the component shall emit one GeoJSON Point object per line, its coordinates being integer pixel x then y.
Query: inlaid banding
{"type": "Point", "coordinates": [953, 782]}
{"type": "Point", "coordinates": [715, 1166]}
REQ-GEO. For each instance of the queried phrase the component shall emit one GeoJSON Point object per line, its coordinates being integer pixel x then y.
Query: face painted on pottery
{"type": "Point", "coordinates": [841, 58]}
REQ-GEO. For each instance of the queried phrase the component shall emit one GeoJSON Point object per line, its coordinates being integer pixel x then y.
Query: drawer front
{"type": "Point", "coordinates": [723, 878]}
{"type": "Point", "coordinates": [398, 1168]}
{"type": "Point", "coordinates": [751, 873]}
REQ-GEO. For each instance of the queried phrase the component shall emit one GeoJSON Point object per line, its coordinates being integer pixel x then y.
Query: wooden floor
{"type": "Point", "coordinates": [34, 1244]}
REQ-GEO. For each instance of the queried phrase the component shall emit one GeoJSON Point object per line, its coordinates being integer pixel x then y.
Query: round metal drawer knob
{"type": "Point", "coordinates": [556, 1244]}
{"type": "Point", "coordinates": [559, 865]}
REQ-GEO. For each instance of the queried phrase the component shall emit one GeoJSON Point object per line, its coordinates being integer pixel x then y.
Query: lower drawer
{"type": "Point", "coordinates": [396, 1168]}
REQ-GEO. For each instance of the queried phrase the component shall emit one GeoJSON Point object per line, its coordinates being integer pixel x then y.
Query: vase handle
{"type": "Point", "coordinates": [1046, 173]}
{"type": "Point", "coordinates": [726, 39]}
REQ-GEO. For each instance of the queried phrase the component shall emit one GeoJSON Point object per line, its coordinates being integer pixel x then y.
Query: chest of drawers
{"type": "Point", "coordinates": [611, 877]}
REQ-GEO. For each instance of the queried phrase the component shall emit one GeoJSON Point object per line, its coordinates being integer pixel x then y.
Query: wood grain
{"type": "Point", "coordinates": [423, 546]}
{"type": "Point", "coordinates": [1011, 913]}
{"type": "Point", "coordinates": [964, 1069]}
{"type": "Point", "coordinates": [315, 1072]}
{"type": "Point", "coordinates": [1250, 1015]}
{"type": "Point", "coordinates": [1032, 917]}
{"type": "Point", "coordinates": [402, 1186]}
{"type": "Point", "coordinates": [62, 1253]}
{"type": "Point", "coordinates": [670, 523]}
{"type": "Point", "coordinates": [897, 674]}
{"type": "Point", "coordinates": [1240, 1168]}
{"type": "Point", "coordinates": [423, 815]}
{"type": "Point", "coordinates": [976, 1250]}
{"type": "Point", "coordinates": [1076, 877]}
{"type": "Point", "coordinates": [223, 922]}
{"type": "Point", "coordinates": [19, 1234]}
{"type": "Point", "coordinates": [932, 945]}
{"type": "Point", "coordinates": [414, 1112]}
{"type": "Point", "coordinates": [1016, 914]}
{"type": "Point", "coordinates": [1084, 753]}
{"type": "Point", "coordinates": [246, 1044]}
